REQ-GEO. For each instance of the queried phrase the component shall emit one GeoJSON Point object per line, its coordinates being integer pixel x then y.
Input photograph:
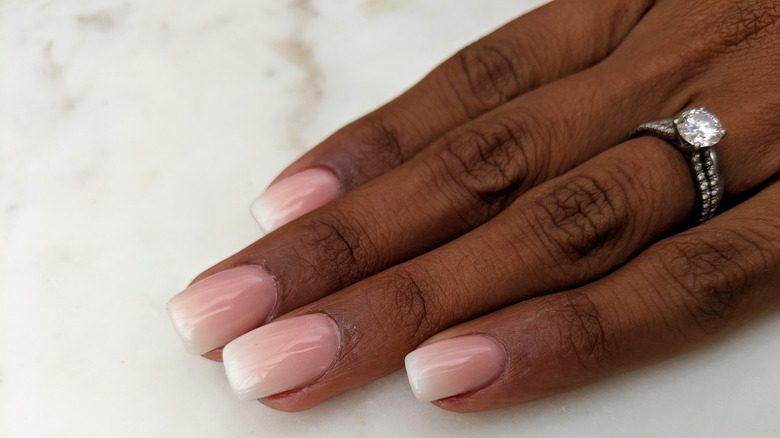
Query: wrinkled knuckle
{"type": "Point", "coordinates": [335, 248]}
{"type": "Point", "coordinates": [489, 162]}
{"type": "Point", "coordinates": [706, 271]}
{"type": "Point", "coordinates": [412, 306]}
{"type": "Point", "coordinates": [720, 28]}
{"type": "Point", "coordinates": [489, 73]}
{"type": "Point", "coordinates": [581, 217]}
{"type": "Point", "coordinates": [377, 144]}
{"type": "Point", "coordinates": [744, 21]}
{"type": "Point", "coordinates": [581, 329]}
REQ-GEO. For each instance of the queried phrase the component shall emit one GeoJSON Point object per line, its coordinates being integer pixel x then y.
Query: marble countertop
{"type": "Point", "coordinates": [133, 136]}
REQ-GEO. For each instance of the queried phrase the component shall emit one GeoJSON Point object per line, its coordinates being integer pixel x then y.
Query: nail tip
{"type": "Point", "coordinates": [203, 321]}
{"type": "Point", "coordinates": [294, 196]}
{"type": "Point", "coordinates": [453, 366]}
{"type": "Point", "coordinates": [262, 216]}
{"type": "Point", "coordinates": [246, 359]}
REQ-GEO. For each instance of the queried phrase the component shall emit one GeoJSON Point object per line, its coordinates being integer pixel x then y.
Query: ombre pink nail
{"type": "Point", "coordinates": [454, 366]}
{"type": "Point", "coordinates": [222, 307]}
{"type": "Point", "coordinates": [281, 356]}
{"type": "Point", "coordinates": [294, 196]}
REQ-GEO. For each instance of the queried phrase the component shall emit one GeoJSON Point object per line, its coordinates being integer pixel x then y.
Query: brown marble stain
{"type": "Point", "coordinates": [101, 20]}
{"type": "Point", "coordinates": [53, 68]}
{"type": "Point", "coordinates": [54, 71]}
{"type": "Point", "coordinates": [377, 7]}
{"type": "Point", "coordinates": [69, 104]}
{"type": "Point", "coordinates": [299, 51]}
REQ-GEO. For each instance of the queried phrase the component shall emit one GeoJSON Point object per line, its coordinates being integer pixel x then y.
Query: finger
{"type": "Point", "coordinates": [565, 232]}
{"type": "Point", "coordinates": [376, 227]}
{"type": "Point", "coordinates": [726, 60]}
{"type": "Point", "coordinates": [552, 42]}
{"type": "Point", "coordinates": [558, 235]}
{"type": "Point", "coordinates": [460, 182]}
{"type": "Point", "coordinates": [467, 177]}
{"type": "Point", "coordinates": [680, 293]}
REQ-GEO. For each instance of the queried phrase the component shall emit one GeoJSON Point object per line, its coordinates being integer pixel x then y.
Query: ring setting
{"type": "Point", "coordinates": [699, 128]}
{"type": "Point", "coordinates": [694, 134]}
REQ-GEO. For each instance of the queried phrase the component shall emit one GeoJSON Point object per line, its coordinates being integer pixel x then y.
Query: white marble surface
{"type": "Point", "coordinates": [133, 136]}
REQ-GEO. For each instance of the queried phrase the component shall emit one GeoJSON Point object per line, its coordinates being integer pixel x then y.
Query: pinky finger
{"type": "Point", "coordinates": [675, 296]}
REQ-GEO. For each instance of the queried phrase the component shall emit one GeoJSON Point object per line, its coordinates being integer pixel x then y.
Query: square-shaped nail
{"type": "Point", "coordinates": [294, 196]}
{"type": "Point", "coordinates": [222, 307]}
{"type": "Point", "coordinates": [454, 366]}
{"type": "Point", "coordinates": [281, 356]}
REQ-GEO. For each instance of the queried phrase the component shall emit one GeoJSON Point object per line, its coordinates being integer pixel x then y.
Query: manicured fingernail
{"type": "Point", "coordinates": [454, 366]}
{"type": "Point", "coordinates": [222, 307]}
{"type": "Point", "coordinates": [294, 196]}
{"type": "Point", "coordinates": [281, 356]}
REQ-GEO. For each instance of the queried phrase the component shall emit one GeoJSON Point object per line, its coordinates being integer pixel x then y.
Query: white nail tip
{"type": "Point", "coordinates": [294, 196]}
{"type": "Point", "coordinates": [281, 356]}
{"type": "Point", "coordinates": [453, 366]}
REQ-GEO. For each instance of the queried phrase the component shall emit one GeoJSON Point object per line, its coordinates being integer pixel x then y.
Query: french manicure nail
{"type": "Point", "coordinates": [222, 307]}
{"type": "Point", "coordinates": [281, 356]}
{"type": "Point", "coordinates": [454, 366]}
{"type": "Point", "coordinates": [294, 196]}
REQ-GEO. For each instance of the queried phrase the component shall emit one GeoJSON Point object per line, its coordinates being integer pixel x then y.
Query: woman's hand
{"type": "Point", "coordinates": [494, 218]}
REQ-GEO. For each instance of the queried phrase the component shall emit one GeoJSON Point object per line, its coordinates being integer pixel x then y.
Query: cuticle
{"type": "Point", "coordinates": [277, 287]}
{"type": "Point", "coordinates": [339, 336]}
{"type": "Point", "coordinates": [472, 392]}
{"type": "Point", "coordinates": [332, 170]}
{"type": "Point", "coordinates": [495, 341]}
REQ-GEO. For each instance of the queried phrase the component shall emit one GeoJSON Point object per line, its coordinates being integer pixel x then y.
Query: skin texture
{"type": "Point", "coordinates": [498, 197]}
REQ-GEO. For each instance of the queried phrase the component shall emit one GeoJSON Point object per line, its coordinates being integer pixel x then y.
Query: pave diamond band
{"type": "Point", "coordinates": [694, 133]}
{"type": "Point", "coordinates": [706, 173]}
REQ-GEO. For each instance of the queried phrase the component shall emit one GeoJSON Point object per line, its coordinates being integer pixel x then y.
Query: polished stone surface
{"type": "Point", "coordinates": [133, 137]}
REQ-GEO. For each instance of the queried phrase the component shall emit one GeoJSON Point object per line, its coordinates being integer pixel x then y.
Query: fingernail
{"type": "Point", "coordinates": [222, 307]}
{"type": "Point", "coordinates": [294, 196]}
{"type": "Point", "coordinates": [454, 366]}
{"type": "Point", "coordinates": [281, 356]}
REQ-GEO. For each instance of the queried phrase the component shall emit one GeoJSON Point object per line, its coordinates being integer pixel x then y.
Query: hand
{"type": "Point", "coordinates": [494, 222]}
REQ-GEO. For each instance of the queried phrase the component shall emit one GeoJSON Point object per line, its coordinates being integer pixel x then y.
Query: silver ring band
{"type": "Point", "coordinates": [694, 133]}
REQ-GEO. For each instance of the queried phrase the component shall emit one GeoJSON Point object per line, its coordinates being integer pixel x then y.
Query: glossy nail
{"type": "Point", "coordinates": [294, 196]}
{"type": "Point", "coordinates": [454, 366]}
{"type": "Point", "coordinates": [222, 307]}
{"type": "Point", "coordinates": [281, 356]}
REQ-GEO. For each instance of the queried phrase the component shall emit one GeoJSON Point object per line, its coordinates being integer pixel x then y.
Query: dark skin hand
{"type": "Point", "coordinates": [500, 197]}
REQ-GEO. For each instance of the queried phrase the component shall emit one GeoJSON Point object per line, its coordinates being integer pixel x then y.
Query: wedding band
{"type": "Point", "coordinates": [694, 134]}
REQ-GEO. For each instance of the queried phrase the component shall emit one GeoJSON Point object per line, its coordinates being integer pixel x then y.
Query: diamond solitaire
{"type": "Point", "coordinates": [694, 133]}
{"type": "Point", "coordinates": [699, 128]}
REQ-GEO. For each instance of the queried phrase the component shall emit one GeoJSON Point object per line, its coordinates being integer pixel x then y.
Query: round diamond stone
{"type": "Point", "coordinates": [699, 128]}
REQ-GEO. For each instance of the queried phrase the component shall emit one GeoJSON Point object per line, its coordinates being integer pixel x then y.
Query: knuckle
{"type": "Point", "coordinates": [744, 21]}
{"type": "Point", "coordinates": [583, 216]}
{"type": "Point", "coordinates": [489, 162]}
{"type": "Point", "coordinates": [727, 26]}
{"type": "Point", "coordinates": [707, 271]}
{"type": "Point", "coordinates": [377, 146]}
{"type": "Point", "coordinates": [412, 306]}
{"type": "Point", "coordinates": [581, 329]}
{"type": "Point", "coordinates": [489, 75]}
{"type": "Point", "coordinates": [335, 250]}
{"type": "Point", "coordinates": [715, 28]}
